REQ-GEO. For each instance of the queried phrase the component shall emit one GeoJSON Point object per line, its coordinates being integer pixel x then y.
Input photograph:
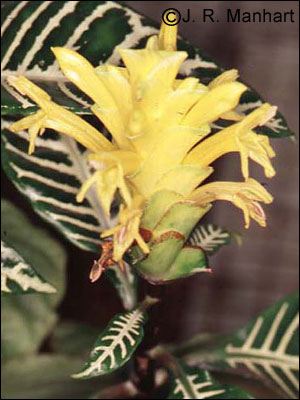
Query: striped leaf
{"type": "Point", "coordinates": [17, 276]}
{"type": "Point", "coordinates": [210, 237]}
{"type": "Point", "coordinates": [96, 29]}
{"type": "Point", "coordinates": [118, 342]}
{"type": "Point", "coordinates": [267, 349]}
{"type": "Point", "coordinates": [50, 179]}
{"type": "Point", "coordinates": [193, 383]}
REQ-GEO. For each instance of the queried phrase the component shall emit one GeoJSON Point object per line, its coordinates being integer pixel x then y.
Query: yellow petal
{"type": "Point", "coordinates": [152, 43]}
{"type": "Point", "coordinates": [167, 37]}
{"type": "Point", "coordinates": [238, 138]}
{"type": "Point", "coordinates": [232, 116]}
{"type": "Point", "coordinates": [170, 148]}
{"type": "Point", "coordinates": [225, 77]}
{"type": "Point", "coordinates": [81, 72]}
{"type": "Point", "coordinates": [34, 123]}
{"type": "Point", "coordinates": [152, 74]}
{"type": "Point", "coordinates": [116, 82]}
{"type": "Point", "coordinates": [182, 179]}
{"type": "Point", "coordinates": [216, 102]}
{"type": "Point", "coordinates": [87, 184]}
{"type": "Point", "coordinates": [107, 182]}
{"type": "Point", "coordinates": [129, 161]}
{"type": "Point", "coordinates": [244, 195]}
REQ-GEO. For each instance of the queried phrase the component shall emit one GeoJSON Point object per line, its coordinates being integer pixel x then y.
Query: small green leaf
{"type": "Point", "coordinates": [193, 383]}
{"type": "Point", "coordinates": [17, 276]}
{"type": "Point", "coordinates": [210, 237]}
{"type": "Point", "coordinates": [118, 342]}
{"type": "Point", "coordinates": [26, 320]}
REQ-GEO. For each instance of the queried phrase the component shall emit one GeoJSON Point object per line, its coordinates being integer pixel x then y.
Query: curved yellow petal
{"type": "Point", "coordinates": [117, 83]}
{"type": "Point", "coordinates": [227, 76]}
{"type": "Point", "coordinates": [216, 102]}
{"type": "Point", "coordinates": [244, 195]}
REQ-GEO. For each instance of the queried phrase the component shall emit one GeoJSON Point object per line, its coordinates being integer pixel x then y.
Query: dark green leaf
{"type": "Point", "coordinates": [193, 383]}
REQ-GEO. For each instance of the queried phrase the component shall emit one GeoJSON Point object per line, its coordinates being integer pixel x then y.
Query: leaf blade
{"type": "Point", "coordinates": [266, 349]}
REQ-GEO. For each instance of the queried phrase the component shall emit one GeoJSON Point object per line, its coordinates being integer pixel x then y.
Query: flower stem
{"type": "Point", "coordinates": [144, 366]}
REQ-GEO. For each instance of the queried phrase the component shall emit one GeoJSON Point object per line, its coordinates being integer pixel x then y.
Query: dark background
{"type": "Point", "coordinates": [246, 279]}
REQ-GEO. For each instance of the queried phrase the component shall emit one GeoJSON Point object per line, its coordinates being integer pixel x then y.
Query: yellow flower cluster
{"type": "Point", "coordinates": [159, 125]}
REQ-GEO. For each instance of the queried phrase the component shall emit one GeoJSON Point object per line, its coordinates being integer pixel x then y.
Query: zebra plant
{"type": "Point", "coordinates": [133, 193]}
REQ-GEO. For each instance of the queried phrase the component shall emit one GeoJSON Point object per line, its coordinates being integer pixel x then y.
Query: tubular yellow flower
{"type": "Point", "coordinates": [55, 117]}
{"type": "Point", "coordinates": [238, 138]}
{"type": "Point", "coordinates": [159, 154]}
{"type": "Point", "coordinates": [244, 195]}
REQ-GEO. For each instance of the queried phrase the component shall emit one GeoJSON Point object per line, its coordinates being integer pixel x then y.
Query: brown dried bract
{"type": "Point", "coordinates": [104, 261]}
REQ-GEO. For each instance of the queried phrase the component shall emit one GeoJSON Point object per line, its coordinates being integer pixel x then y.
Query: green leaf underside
{"type": "Point", "coordinates": [116, 344]}
{"type": "Point", "coordinates": [267, 348]}
{"type": "Point", "coordinates": [47, 376]}
{"type": "Point", "coordinates": [193, 383]}
{"type": "Point", "coordinates": [27, 320]}
{"type": "Point", "coordinates": [17, 276]}
{"type": "Point", "coordinates": [73, 338]}
{"type": "Point", "coordinates": [210, 237]}
{"type": "Point", "coordinates": [95, 29]}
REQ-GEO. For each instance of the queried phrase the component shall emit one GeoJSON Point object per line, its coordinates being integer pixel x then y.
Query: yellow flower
{"type": "Point", "coordinates": [159, 126]}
